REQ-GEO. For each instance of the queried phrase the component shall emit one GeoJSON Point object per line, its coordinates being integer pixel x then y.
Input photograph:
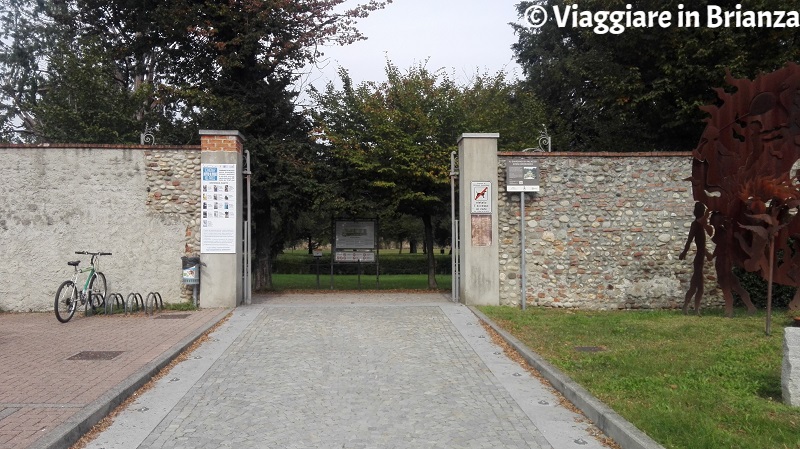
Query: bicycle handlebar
{"type": "Point", "coordinates": [93, 254]}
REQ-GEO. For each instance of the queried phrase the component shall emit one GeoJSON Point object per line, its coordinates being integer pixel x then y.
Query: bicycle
{"type": "Point", "coordinates": [94, 288]}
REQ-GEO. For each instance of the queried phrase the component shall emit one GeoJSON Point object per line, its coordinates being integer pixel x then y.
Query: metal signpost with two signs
{"type": "Point", "coordinates": [356, 242]}
{"type": "Point", "coordinates": [522, 176]}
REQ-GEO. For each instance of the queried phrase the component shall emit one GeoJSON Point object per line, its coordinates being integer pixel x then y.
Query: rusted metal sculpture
{"type": "Point", "coordinates": [744, 173]}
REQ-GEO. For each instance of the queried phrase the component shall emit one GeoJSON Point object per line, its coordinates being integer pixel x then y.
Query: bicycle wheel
{"type": "Point", "coordinates": [98, 288]}
{"type": "Point", "coordinates": [66, 301]}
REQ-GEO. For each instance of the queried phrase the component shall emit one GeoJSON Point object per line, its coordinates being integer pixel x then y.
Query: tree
{"type": "Point", "coordinates": [165, 54]}
{"type": "Point", "coordinates": [642, 90]}
{"type": "Point", "coordinates": [25, 43]}
{"type": "Point", "coordinates": [76, 87]}
{"type": "Point", "coordinates": [399, 228]}
{"type": "Point", "coordinates": [61, 77]}
{"type": "Point", "coordinates": [396, 136]}
{"type": "Point", "coordinates": [493, 103]}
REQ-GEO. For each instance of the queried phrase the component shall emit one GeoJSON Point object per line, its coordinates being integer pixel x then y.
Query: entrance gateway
{"type": "Point", "coordinates": [223, 252]}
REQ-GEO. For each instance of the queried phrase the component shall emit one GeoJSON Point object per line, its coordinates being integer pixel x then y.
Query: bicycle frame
{"type": "Point", "coordinates": [90, 295]}
{"type": "Point", "coordinates": [78, 271]}
{"type": "Point", "coordinates": [91, 270]}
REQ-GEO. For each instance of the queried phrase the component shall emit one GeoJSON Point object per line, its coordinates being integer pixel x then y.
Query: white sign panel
{"type": "Point", "coordinates": [355, 234]}
{"type": "Point", "coordinates": [481, 197]}
{"type": "Point", "coordinates": [355, 256]}
{"type": "Point", "coordinates": [218, 208]}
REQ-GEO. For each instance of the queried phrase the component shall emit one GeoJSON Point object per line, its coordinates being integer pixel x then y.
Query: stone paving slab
{"type": "Point", "coordinates": [48, 400]}
{"type": "Point", "coordinates": [348, 371]}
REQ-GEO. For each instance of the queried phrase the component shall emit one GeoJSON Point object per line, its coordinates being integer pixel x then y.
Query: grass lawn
{"type": "Point", "coordinates": [687, 381]}
{"type": "Point", "coordinates": [297, 271]}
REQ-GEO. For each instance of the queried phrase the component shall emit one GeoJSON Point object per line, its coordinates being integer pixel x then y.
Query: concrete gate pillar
{"type": "Point", "coordinates": [221, 221]}
{"type": "Point", "coordinates": [479, 252]}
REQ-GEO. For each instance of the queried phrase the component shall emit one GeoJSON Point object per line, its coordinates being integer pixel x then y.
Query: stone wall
{"type": "Point", "coordinates": [138, 202]}
{"type": "Point", "coordinates": [173, 186]}
{"type": "Point", "coordinates": [604, 232]}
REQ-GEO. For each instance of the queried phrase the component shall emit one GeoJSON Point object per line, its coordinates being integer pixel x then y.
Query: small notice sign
{"type": "Point", "coordinates": [481, 197]}
{"type": "Point", "coordinates": [522, 176]}
{"type": "Point", "coordinates": [355, 257]}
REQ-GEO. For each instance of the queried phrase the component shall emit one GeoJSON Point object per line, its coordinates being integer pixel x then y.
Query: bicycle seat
{"type": "Point", "coordinates": [74, 263]}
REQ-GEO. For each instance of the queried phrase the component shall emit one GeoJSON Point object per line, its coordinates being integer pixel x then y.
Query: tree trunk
{"type": "Point", "coordinates": [412, 246]}
{"type": "Point", "coordinates": [310, 245]}
{"type": "Point", "coordinates": [427, 222]}
{"type": "Point", "coordinates": [263, 263]}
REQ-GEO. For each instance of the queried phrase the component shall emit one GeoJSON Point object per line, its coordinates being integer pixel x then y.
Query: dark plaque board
{"type": "Point", "coordinates": [522, 176]}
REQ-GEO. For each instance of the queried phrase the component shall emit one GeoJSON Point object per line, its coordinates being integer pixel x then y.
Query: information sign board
{"type": "Point", "coordinates": [522, 176]}
{"type": "Point", "coordinates": [355, 234]}
{"type": "Point", "coordinates": [218, 208]}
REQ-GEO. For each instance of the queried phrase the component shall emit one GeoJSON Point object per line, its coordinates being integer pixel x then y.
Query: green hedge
{"type": "Point", "coordinates": [389, 264]}
{"type": "Point", "coordinates": [757, 287]}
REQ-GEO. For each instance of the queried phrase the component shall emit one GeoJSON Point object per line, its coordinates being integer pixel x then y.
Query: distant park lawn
{"type": "Point", "coordinates": [688, 382]}
{"type": "Point", "coordinates": [296, 270]}
{"type": "Point", "coordinates": [283, 282]}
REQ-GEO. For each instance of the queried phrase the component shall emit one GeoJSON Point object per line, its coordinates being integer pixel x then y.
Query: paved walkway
{"type": "Point", "coordinates": [354, 371]}
{"type": "Point", "coordinates": [47, 394]}
{"type": "Point", "coordinates": [296, 371]}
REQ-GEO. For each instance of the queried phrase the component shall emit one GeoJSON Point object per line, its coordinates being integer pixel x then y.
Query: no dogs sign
{"type": "Point", "coordinates": [481, 197]}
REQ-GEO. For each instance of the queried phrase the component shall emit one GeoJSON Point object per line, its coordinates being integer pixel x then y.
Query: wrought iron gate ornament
{"type": "Point", "coordinates": [744, 174]}
{"type": "Point", "coordinates": [147, 137]}
{"type": "Point", "coordinates": [544, 142]}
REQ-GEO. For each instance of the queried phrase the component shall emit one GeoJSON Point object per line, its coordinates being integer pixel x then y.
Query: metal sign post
{"type": "Point", "coordinates": [317, 256]}
{"type": "Point", "coordinates": [522, 244]}
{"type": "Point", "coordinates": [454, 274]}
{"type": "Point", "coordinates": [522, 176]}
{"type": "Point", "coordinates": [248, 283]}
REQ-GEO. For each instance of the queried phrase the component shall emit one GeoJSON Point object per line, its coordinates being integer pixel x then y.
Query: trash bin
{"type": "Point", "coordinates": [191, 270]}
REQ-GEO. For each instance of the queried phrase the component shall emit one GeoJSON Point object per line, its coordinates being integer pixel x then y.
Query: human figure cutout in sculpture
{"type": "Point", "coordinates": [697, 234]}
{"type": "Point", "coordinates": [724, 266]}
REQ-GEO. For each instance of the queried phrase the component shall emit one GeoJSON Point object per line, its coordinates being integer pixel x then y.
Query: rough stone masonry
{"type": "Point", "coordinates": [604, 232]}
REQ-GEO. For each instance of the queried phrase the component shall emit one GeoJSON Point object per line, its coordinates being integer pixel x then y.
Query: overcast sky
{"type": "Point", "coordinates": [459, 36]}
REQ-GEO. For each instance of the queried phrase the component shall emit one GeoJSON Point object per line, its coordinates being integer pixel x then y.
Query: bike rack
{"type": "Point", "coordinates": [88, 310]}
{"type": "Point", "coordinates": [134, 300]}
{"type": "Point", "coordinates": [153, 302]}
{"type": "Point", "coordinates": [114, 299]}
{"type": "Point", "coordinates": [133, 303]}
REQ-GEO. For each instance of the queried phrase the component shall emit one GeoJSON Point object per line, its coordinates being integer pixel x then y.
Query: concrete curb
{"type": "Point", "coordinates": [68, 433]}
{"type": "Point", "coordinates": [606, 419]}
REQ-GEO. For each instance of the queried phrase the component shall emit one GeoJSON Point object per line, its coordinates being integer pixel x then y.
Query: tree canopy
{"type": "Point", "coordinates": [178, 62]}
{"type": "Point", "coordinates": [641, 90]}
{"type": "Point", "coordinates": [392, 140]}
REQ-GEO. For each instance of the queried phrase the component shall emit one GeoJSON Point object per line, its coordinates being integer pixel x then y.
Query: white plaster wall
{"type": "Point", "coordinates": [55, 201]}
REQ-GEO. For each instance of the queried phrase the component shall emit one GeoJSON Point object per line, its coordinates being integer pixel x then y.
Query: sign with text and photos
{"type": "Point", "coordinates": [218, 208]}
